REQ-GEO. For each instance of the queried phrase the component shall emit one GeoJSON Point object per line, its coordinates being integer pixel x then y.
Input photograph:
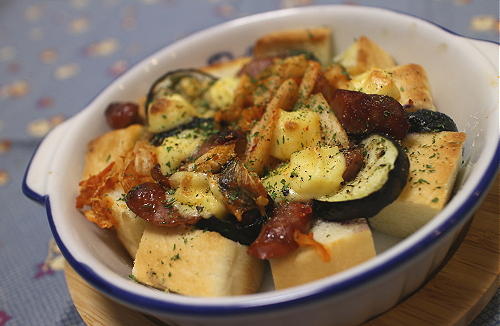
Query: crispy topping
{"type": "Point", "coordinates": [91, 200]}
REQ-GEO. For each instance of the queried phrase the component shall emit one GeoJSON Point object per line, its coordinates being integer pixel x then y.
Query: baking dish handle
{"type": "Point", "coordinates": [488, 49]}
{"type": "Point", "coordinates": [38, 171]}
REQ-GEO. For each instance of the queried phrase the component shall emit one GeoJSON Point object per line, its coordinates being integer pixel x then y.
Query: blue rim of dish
{"type": "Point", "coordinates": [157, 305]}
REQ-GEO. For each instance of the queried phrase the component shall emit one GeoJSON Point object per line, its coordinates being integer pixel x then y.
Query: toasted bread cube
{"type": "Point", "coordinates": [376, 81]}
{"type": "Point", "coordinates": [408, 84]}
{"type": "Point", "coordinates": [110, 147]}
{"type": "Point", "coordinates": [128, 226]}
{"type": "Point", "coordinates": [295, 131]}
{"type": "Point", "coordinates": [363, 55]}
{"type": "Point", "coordinates": [196, 263]}
{"type": "Point", "coordinates": [435, 159]}
{"type": "Point", "coordinates": [332, 132]}
{"type": "Point", "coordinates": [316, 40]}
{"type": "Point", "coordinates": [413, 85]}
{"type": "Point", "coordinates": [226, 68]}
{"type": "Point", "coordinates": [258, 150]}
{"type": "Point", "coordinates": [348, 244]}
{"type": "Point", "coordinates": [337, 76]}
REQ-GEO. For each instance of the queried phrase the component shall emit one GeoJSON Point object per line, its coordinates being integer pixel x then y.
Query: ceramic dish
{"type": "Point", "coordinates": [463, 76]}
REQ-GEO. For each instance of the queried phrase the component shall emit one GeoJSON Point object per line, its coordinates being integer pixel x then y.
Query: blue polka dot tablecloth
{"type": "Point", "coordinates": [56, 55]}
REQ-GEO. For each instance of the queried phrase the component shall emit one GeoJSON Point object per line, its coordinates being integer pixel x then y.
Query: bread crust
{"type": "Point", "coordinates": [195, 262]}
{"type": "Point", "coordinates": [110, 147]}
{"type": "Point", "coordinates": [316, 40]}
{"type": "Point", "coordinates": [408, 84]}
{"type": "Point", "coordinates": [435, 159]}
{"type": "Point", "coordinates": [414, 87]}
{"type": "Point", "coordinates": [363, 55]}
{"type": "Point", "coordinates": [226, 68]}
{"type": "Point", "coordinates": [348, 244]}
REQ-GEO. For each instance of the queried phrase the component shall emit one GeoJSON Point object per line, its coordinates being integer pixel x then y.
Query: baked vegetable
{"type": "Point", "coordinates": [425, 120]}
{"type": "Point", "coordinates": [190, 83]}
{"type": "Point", "coordinates": [244, 233]}
{"type": "Point", "coordinates": [177, 98]}
{"type": "Point", "coordinates": [377, 184]}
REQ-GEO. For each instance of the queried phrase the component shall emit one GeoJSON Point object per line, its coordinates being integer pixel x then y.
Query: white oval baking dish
{"type": "Point", "coordinates": [463, 75]}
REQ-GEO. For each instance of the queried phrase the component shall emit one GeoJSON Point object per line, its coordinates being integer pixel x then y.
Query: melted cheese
{"type": "Point", "coordinates": [193, 195]}
{"type": "Point", "coordinates": [375, 81]}
{"type": "Point", "coordinates": [221, 94]}
{"type": "Point", "coordinates": [295, 131]}
{"type": "Point", "coordinates": [311, 173]}
{"type": "Point", "coordinates": [176, 149]}
{"type": "Point", "coordinates": [379, 161]}
{"type": "Point", "coordinates": [166, 113]}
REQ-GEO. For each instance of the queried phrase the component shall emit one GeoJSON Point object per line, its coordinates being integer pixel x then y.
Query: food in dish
{"type": "Point", "coordinates": [281, 157]}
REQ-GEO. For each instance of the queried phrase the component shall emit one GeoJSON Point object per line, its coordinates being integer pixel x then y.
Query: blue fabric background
{"type": "Point", "coordinates": [57, 55]}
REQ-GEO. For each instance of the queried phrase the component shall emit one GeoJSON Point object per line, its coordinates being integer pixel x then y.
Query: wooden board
{"type": "Point", "coordinates": [454, 296]}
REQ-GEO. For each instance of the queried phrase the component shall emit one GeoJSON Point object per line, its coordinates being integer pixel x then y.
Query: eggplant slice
{"type": "Point", "coordinates": [425, 120]}
{"type": "Point", "coordinates": [232, 229]}
{"type": "Point", "coordinates": [377, 184]}
{"type": "Point", "coordinates": [171, 83]}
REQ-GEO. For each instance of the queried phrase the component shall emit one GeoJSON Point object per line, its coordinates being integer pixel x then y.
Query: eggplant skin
{"type": "Point", "coordinates": [232, 229]}
{"type": "Point", "coordinates": [425, 120]}
{"type": "Point", "coordinates": [174, 77]}
{"type": "Point", "coordinates": [372, 204]}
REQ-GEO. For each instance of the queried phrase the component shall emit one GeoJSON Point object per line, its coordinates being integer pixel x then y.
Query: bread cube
{"type": "Point", "coordinates": [332, 132]}
{"type": "Point", "coordinates": [316, 40]}
{"type": "Point", "coordinates": [413, 85]}
{"type": "Point", "coordinates": [375, 81]}
{"type": "Point", "coordinates": [128, 226]}
{"type": "Point", "coordinates": [294, 131]}
{"type": "Point", "coordinates": [435, 159]}
{"type": "Point", "coordinates": [110, 147]}
{"type": "Point", "coordinates": [226, 68]}
{"type": "Point", "coordinates": [196, 263]}
{"type": "Point", "coordinates": [363, 55]}
{"type": "Point", "coordinates": [348, 244]}
{"type": "Point", "coordinates": [408, 84]}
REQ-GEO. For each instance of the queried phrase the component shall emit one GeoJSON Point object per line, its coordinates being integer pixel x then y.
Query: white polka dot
{"type": "Point", "coordinates": [103, 48]}
{"type": "Point", "coordinates": [33, 13]}
{"type": "Point", "coordinates": [36, 34]}
{"type": "Point", "coordinates": [7, 53]}
{"type": "Point", "coordinates": [483, 23]}
{"type": "Point", "coordinates": [78, 26]}
{"type": "Point", "coordinates": [66, 71]}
